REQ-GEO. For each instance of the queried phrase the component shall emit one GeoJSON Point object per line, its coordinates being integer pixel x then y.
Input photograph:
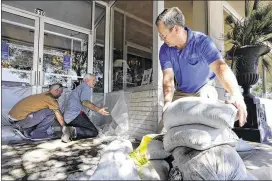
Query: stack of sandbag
{"type": "Point", "coordinates": [200, 138]}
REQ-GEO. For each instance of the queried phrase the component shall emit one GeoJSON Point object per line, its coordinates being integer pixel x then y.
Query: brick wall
{"type": "Point", "coordinates": [143, 113]}
{"type": "Point", "coordinates": [143, 109]}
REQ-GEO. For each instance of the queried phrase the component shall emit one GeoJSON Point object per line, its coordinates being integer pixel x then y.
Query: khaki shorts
{"type": "Point", "coordinates": [207, 91]}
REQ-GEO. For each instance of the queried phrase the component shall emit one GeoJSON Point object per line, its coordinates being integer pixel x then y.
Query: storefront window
{"type": "Point", "coordinates": [132, 51]}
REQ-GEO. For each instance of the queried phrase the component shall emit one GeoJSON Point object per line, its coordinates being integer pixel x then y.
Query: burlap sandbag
{"type": "Point", "coordinates": [196, 110]}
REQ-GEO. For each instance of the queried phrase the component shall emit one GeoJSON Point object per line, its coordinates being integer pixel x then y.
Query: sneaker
{"type": "Point", "coordinates": [67, 133]}
{"type": "Point", "coordinates": [22, 134]}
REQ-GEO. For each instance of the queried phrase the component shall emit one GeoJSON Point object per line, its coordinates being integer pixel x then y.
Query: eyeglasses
{"type": "Point", "coordinates": [166, 34]}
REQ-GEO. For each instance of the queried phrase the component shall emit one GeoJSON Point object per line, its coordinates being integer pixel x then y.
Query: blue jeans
{"type": "Point", "coordinates": [37, 123]}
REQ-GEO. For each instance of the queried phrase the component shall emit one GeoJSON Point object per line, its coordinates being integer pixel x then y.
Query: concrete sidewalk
{"type": "Point", "coordinates": [49, 160]}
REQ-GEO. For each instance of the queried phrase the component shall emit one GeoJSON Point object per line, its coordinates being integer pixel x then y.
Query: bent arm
{"type": "Point", "coordinates": [92, 107]}
{"type": "Point", "coordinates": [226, 77]}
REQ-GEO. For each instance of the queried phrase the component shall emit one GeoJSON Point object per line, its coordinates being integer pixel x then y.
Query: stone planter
{"type": "Point", "coordinates": [246, 66]}
{"type": "Point", "coordinates": [247, 59]}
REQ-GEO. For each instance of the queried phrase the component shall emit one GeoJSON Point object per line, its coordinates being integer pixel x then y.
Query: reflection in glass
{"type": "Point", "coordinates": [17, 51]}
{"type": "Point", "coordinates": [132, 59]}
{"type": "Point", "coordinates": [65, 55]}
{"type": "Point", "coordinates": [99, 50]}
{"type": "Point", "coordinates": [117, 77]}
{"type": "Point", "coordinates": [138, 63]}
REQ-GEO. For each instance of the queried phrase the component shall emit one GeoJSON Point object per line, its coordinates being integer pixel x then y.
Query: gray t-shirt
{"type": "Point", "coordinates": [74, 105]}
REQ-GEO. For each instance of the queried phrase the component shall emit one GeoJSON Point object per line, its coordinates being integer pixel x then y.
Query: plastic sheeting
{"type": "Point", "coordinates": [154, 170]}
{"type": "Point", "coordinates": [119, 124]}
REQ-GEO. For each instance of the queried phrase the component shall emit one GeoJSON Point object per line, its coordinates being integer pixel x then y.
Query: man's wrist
{"type": "Point", "coordinates": [237, 97]}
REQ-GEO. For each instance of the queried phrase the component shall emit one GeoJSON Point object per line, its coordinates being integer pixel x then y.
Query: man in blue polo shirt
{"type": "Point", "coordinates": [193, 59]}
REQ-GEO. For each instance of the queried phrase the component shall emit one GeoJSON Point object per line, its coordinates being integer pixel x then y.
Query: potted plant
{"type": "Point", "coordinates": [250, 38]}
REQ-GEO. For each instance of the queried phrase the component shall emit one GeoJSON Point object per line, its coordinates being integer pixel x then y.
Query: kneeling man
{"type": "Point", "coordinates": [34, 114]}
{"type": "Point", "coordinates": [75, 114]}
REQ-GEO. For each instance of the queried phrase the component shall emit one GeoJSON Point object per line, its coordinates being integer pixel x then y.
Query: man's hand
{"type": "Point", "coordinates": [103, 112]}
{"type": "Point", "coordinates": [239, 103]}
{"type": "Point", "coordinates": [165, 106]}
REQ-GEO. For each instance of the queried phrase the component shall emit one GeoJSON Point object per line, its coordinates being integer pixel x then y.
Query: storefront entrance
{"type": "Point", "coordinates": [38, 51]}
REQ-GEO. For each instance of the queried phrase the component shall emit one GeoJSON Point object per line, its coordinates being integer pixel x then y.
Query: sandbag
{"type": "Point", "coordinates": [196, 110]}
{"type": "Point", "coordinates": [175, 174]}
{"type": "Point", "coordinates": [199, 137]}
{"type": "Point", "coordinates": [155, 151]}
{"type": "Point", "coordinates": [154, 170]}
{"type": "Point", "coordinates": [263, 173]}
{"type": "Point", "coordinates": [217, 163]}
{"type": "Point", "coordinates": [115, 164]}
{"type": "Point", "coordinates": [243, 146]}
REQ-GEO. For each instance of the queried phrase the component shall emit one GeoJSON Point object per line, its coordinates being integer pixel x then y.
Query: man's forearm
{"type": "Point", "coordinates": [59, 118]}
{"type": "Point", "coordinates": [228, 80]}
{"type": "Point", "coordinates": [168, 91]}
{"type": "Point", "coordinates": [90, 105]}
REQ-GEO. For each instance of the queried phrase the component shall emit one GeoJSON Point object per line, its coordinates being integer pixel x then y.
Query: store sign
{"type": "Point", "coordinates": [39, 11]}
{"type": "Point", "coordinates": [66, 62]}
{"type": "Point", "coordinates": [5, 51]}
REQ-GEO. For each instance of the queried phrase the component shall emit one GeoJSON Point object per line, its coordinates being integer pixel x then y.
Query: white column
{"type": "Point", "coordinates": [158, 7]}
{"type": "Point", "coordinates": [91, 42]}
{"type": "Point", "coordinates": [216, 23]}
{"type": "Point", "coordinates": [107, 51]}
{"type": "Point", "coordinates": [110, 83]}
{"type": "Point", "coordinates": [216, 32]}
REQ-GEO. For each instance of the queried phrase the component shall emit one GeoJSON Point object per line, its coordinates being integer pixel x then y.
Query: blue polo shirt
{"type": "Point", "coordinates": [191, 64]}
{"type": "Point", "coordinates": [74, 105]}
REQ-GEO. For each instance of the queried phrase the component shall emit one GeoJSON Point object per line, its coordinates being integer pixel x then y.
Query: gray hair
{"type": "Point", "coordinates": [171, 17]}
{"type": "Point", "coordinates": [55, 86]}
{"type": "Point", "coordinates": [88, 76]}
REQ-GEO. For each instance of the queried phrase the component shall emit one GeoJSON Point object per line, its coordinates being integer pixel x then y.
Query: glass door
{"type": "Point", "coordinates": [19, 56]}
{"type": "Point", "coordinates": [63, 54]}
{"type": "Point", "coordinates": [19, 49]}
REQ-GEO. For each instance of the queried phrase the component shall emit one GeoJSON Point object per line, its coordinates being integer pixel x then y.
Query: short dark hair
{"type": "Point", "coordinates": [55, 86]}
{"type": "Point", "coordinates": [171, 17]}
